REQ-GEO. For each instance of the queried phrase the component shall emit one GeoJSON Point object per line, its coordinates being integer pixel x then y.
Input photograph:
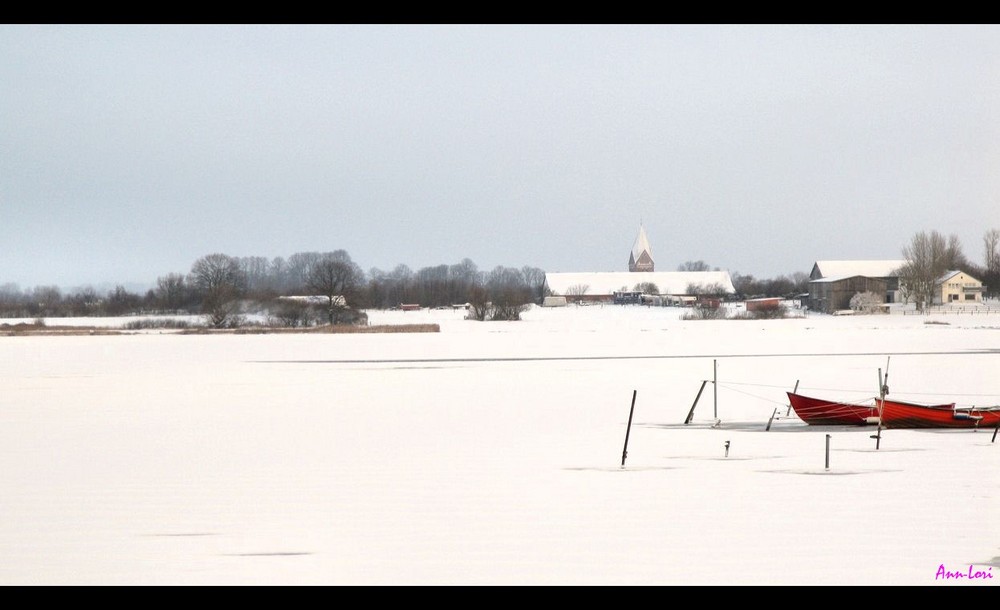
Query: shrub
{"type": "Point", "coordinates": [156, 323]}
{"type": "Point", "coordinates": [865, 302]}
{"type": "Point", "coordinates": [769, 311]}
{"type": "Point", "coordinates": [700, 312]}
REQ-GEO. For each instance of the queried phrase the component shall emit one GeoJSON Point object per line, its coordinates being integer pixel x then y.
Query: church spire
{"type": "Point", "coordinates": [641, 257]}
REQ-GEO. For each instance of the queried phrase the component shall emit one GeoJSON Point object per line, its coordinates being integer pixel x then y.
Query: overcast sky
{"type": "Point", "coordinates": [128, 152]}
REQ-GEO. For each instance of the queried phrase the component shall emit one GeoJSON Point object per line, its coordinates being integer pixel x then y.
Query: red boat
{"type": "Point", "coordinates": [820, 412]}
{"type": "Point", "coordinates": [896, 414]}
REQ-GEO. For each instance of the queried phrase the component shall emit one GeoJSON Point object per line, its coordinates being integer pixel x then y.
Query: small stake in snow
{"type": "Point", "coordinates": [629, 428]}
{"type": "Point", "coordinates": [828, 452]}
{"type": "Point", "coordinates": [727, 448]}
{"type": "Point", "coordinates": [995, 432]}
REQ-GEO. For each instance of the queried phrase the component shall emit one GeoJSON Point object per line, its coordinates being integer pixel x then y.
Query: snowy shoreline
{"type": "Point", "coordinates": [490, 453]}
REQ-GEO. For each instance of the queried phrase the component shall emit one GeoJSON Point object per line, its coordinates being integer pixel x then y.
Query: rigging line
{"type": "Point", "coordinates": [785, 387]}
{"type": "Point", "coordinates": [770, 400]}
{"type": "Point", "coordinates": [761, 385]}
{"type": "Point", "coordinates": [946, 394]}
{"type": "Point", "coordinates": [765, 385]}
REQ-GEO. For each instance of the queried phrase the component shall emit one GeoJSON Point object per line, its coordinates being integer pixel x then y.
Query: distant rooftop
{"type": "Point", "coordinates": [867, 268]}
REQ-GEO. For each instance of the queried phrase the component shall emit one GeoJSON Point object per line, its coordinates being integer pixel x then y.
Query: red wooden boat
{"type": "Point", "coordinates": [897, 414]}
{"type": "Point", "coordinates": [821, 412]}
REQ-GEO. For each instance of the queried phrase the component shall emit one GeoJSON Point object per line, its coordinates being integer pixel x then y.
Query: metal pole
{"type": "Point", "coordinates": [828, 452]}
{"type": "Point", "coordinates": [881, 401]}
{"type": "Point", "coordinates": [715, 391]}
{"type": "Point", "coordinates": [629, 428]}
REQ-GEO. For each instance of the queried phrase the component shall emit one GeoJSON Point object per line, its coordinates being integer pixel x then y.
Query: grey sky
{"type": "Point", "coordinates": [127, 152]}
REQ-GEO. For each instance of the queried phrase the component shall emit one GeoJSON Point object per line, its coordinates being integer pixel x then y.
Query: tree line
{"type": "Point", "coordinates": [222, 286]}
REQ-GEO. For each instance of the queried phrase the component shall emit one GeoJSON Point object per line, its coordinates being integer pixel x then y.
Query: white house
{"type": "Point", "coordinates": [957, 287]}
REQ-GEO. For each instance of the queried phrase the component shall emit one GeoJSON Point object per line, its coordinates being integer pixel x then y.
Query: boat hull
{"type": "Point", "coordinates": [897, 414]}
{"type": "Point", "coordinates": [821, 412]}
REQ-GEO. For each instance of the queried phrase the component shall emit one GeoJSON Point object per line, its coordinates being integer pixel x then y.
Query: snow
{"type": "Point", "coordinates": [490, 453]}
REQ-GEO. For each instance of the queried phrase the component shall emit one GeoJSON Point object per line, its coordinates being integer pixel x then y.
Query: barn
{"type": "Point", "coordinates": [832, 283]}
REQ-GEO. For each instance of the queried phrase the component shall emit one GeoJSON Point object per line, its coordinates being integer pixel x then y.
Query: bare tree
{"type": "Point", "coordinates": [714, 289]}
{"type": "Point", "coordinates": [647, 288]}
{"type": "Point", "coordinates": [479, 303]}
{"type": "Point", "coordinates": [336, 277]}
{"type": "Point", "coordinates": [698, 265]}
{"type": "Point", "coordinates": [121, 301]}
{"type": "Point", "coordinates": [45, 300]}
{"type": "Point", "coordinates": [928, 256]}
{"type": "Point", "coordinates": [171, 291]}
{"type": "Point", "coordinates": [255, 272]}
{"type": "Point", "coordinates": [577, 290]}
{"type": "Point", "coordinates": [534, 278]}
{"type": "Point", "coordinates": [219, 280]}
{"type": "Point", "coordinates": [509, 293]}
{"type": "Point", "coordinates": [991, 262]}
{"type": "Point", "coordinates": [297, 270]}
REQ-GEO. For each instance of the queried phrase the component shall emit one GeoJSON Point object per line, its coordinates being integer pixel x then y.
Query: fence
{"type": "Point", "coordinates": [951, 309]}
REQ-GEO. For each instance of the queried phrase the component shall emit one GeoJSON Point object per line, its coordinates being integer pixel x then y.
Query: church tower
{"type": "Point", "coordinates": [641, 258]}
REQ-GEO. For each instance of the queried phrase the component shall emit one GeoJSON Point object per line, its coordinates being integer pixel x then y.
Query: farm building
{"type": "Point", "coordinates": [640, 284]}
{"type": "Point", "coordinates": [829, 295]}
{"type": "Point", "coordinates": [602, 286]}
{"type": "Point", "coordinates": [763, 303]}
{"type": "Point", "coordinates": [833, 283]}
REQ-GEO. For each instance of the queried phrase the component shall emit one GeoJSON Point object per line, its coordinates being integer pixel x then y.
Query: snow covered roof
{"type": "Point", "coordinates": [947, 276]}
{"type": "Point", "coordinates": [668, 282]}
{"type": "Point", "coordinates": [950, 274]}
{"type": "Point", "coordinates": [836, 278]}
{"type": "Point", "coordinates": [870, 268]}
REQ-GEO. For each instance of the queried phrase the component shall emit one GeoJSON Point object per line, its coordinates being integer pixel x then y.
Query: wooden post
{"type": "Point", "coordinates": [727, 448]}
{"type": "Point", "coordinates": [794, 391]}
{"type": "Point", "coordinates": [695, 403]}
{"type": "Point", "coordinates": [629, 428]}
{"type": "Point", "coordinates": [771, 420]}
{"type": "Point", "coordinates": [828, 452]}
{"type": "Point", "coordinates": [997, 429]}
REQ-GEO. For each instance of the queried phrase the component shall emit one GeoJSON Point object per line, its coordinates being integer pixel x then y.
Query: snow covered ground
{"type": "Point", "coordinates": [490, 453]}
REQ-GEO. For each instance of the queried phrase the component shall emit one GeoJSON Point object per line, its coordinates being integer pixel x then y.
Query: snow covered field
{"type": "Point", "coordinates": [490, 453]}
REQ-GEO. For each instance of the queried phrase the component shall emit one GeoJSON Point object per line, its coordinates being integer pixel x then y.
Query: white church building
{"type": "Point", "coordinates": [597, 286]}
